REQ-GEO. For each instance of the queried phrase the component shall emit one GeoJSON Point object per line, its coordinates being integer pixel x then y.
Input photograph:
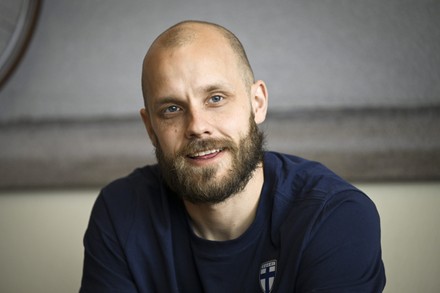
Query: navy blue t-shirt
{"type": "Point", "coordinates": [313, 232]}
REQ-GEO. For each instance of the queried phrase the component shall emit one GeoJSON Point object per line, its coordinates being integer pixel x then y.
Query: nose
{"type": "Point", "coordinates": [198, 124]}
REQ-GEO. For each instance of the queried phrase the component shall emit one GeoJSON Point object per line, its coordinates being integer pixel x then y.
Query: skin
{"type": "Point", "coordinates": [196, 90]}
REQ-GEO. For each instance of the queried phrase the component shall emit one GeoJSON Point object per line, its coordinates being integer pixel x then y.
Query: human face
{"type": "Point", "coordinates": [199, 108]}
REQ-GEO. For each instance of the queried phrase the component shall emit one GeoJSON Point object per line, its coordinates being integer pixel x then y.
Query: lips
{"type": "Point", "coordinates": [205, 154]}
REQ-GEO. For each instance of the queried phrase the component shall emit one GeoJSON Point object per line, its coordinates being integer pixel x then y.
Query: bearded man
{"type": "Point", "coordinates": [217, 213]}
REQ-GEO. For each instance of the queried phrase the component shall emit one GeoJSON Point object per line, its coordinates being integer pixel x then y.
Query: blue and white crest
{"type": "Point", "coordinates": [267, 275]}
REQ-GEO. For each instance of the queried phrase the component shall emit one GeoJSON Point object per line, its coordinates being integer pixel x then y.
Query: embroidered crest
{"type": "Point", "coordinates": [267, 275]}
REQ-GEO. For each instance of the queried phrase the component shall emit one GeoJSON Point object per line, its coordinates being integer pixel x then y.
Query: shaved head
{"type": "Point", "coordinates": [187, 32]}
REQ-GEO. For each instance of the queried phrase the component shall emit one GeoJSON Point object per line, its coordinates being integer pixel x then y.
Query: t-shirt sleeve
{"type": "Point", "coordinates": [343, 253]}
{"type": "Point", "coordinates": [105, 268]}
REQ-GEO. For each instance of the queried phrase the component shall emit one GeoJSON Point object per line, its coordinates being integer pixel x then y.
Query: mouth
{"type": "Point", "coordinates": [206, 154]}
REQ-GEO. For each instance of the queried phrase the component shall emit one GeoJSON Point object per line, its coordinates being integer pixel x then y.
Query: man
{"type": "Point", "coordinates": [217, 213]}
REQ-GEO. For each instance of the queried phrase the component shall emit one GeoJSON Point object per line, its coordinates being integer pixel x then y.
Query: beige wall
{"type": "Point", "coordinates": [41, 237]}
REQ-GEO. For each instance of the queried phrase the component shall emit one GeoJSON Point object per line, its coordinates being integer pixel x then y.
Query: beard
{"type": "Point", "coordinates": [200, 184]}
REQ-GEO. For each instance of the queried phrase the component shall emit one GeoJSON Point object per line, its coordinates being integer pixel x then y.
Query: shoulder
{"type": "Point", "coordinates": [333, 225]}
{"type": "Point", "coordinates": [120, 200]}
{"type": "Point", "coordinates": [299, 179]}
{"type": "Point", "coordinates": [309, 193]}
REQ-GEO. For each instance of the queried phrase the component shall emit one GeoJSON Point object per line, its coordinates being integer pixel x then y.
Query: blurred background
{"type": "Point", "coordinates": [353, 84]}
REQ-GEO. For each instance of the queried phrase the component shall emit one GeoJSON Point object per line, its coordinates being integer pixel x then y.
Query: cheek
{"type": "Point", "coordinates": [169, 139]}
{"type": "Point", "coordinates": [236, 126]}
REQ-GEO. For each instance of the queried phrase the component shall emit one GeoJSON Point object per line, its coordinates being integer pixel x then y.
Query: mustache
{"type": "Point", "coordinates": [199, 145]}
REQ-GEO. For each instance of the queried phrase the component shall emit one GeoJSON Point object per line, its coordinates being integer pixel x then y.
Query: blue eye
{"type": "Point", "coordinates": [172, 109]}
{"type": "Point", "coordinates": [216, 99]}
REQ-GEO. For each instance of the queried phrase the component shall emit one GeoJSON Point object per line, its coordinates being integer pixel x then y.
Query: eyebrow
{"type": "Point", "coordinates": [166, 100]}
{"type": "Point", "coordinates": [220, 86]}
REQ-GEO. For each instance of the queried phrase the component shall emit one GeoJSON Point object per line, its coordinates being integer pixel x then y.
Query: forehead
{"type": "Point", "coordinates": [203, 60]}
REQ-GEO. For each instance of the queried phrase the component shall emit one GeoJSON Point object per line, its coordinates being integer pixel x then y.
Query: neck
{"type": "Point", "coordinates": [229, 219]}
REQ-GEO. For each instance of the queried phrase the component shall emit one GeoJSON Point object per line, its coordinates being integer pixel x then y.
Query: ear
{"type": "Point", "coordinates": [147, 122]}
{"type": "Point", "coordinates": [259, 100]}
